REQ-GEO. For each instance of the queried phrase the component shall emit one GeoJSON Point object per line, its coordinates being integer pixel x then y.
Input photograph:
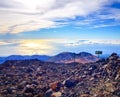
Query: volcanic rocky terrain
{"type": "Point", "coordinates": [34, 78]}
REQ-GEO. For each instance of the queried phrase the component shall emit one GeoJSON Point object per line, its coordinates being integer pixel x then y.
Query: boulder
{"type": "Point", "coordinates": [28, 89]}
{"type": "Point", "coordinates": [113, 54]}
{"type": "Point", "coordinates": [84, 95]}
{"type": "Point", "coordinates": [48, 93]}
{"type": "Point", "coordinates": [70, 83]}
{"type": "Point", "coordinates": [29, 70]}
{"type": "Point", "coordinates": [56, 94]}
{"type": "Point", "coordinates": [116, 93]}
{"type": "Point", "coordinates": [113, 58]}
{"type": "Point", "coordinates": [56, 86]}
{"type": "Point", "coordinates": [118, 60]}
{"type": "Point", "coordinates": [9, 90]}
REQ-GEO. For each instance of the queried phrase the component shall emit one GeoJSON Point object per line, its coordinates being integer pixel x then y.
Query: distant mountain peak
{"type": "Point", "coordinates": [84, 54]}
{"type": "Point", "coordinates": [66, 53]}
{"type": "Point", "coordinates": [68, 57]}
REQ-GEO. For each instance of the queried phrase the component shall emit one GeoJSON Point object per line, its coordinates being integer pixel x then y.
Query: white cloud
{"type": "Point", "coordinates": [8, 42]}
{"type": "Point", "coordinates": [54, 46]}
{"type": "Point", "coordinates": [89, 42]}
{"type": "Point", "coordinates": [16, 15]}
{"type": "Point", "coordinates": [105, 25]}
{"type": "Point", "coordinates": [111, 13]}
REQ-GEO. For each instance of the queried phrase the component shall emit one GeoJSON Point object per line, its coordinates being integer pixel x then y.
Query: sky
{"type": "Point", "coordinates": [49, 27]}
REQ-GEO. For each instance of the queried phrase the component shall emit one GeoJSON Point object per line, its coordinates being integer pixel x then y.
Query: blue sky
{"type": "Point", "coordinates": [53, 26]}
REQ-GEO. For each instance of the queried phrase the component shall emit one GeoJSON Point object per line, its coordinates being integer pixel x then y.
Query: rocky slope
{"type": "Point", "coordinates": [34, 78]}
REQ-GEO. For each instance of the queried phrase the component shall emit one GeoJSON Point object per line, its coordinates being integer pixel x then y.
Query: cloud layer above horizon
{"type": "Point", "coordinates": [18, 16]}
{"type": "Point", "coordinates": [55, 46]}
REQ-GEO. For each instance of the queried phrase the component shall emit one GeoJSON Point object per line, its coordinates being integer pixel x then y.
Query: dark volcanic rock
{"type": "Point", "coordinates": [56, 86]}
{"type": "Point", "coordinates": [70, 83]}
{"type": "Point", "coordinates": [29, 90]}
{"type": "Point", "coordinates": [48, 93]}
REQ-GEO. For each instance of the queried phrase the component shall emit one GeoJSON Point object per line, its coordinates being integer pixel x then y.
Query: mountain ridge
{"type": "Point", "coordinates": [64, 57]}
{"type": "Point", "coordinates": [24, 57]}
